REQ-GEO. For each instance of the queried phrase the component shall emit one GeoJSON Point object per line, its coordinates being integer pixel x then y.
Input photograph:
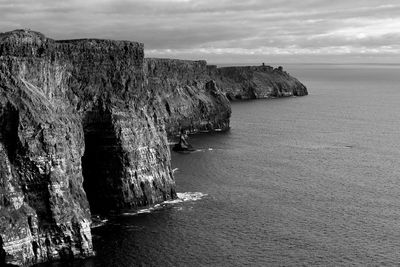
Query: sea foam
{"type": "Point", "coordinates": [182, 197]}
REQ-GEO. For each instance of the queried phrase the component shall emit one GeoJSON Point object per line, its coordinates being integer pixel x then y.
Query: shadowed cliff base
{"type": "Point", "coordinates": [102, 163]}
{"type": "Point", "coordinates": [84, 127]}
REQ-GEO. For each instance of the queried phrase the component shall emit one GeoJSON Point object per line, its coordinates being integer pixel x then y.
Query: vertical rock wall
{"type": "Point", "coordinates": [45, 214]}
{"type": "Point", "coordinates": [54, 96]}
{"type": "Point", "coordinates": [189, 97]}
{"type": "Point", "coordinates": [109, 88]}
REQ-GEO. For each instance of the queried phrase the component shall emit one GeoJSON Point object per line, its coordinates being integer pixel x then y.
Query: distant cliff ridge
{"type": "Point", "coordinates": [251, 82]}
{"type": "Point", "coordinates": [83, 130]}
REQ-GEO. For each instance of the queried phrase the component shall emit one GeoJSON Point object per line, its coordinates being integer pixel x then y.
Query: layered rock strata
{"type": "Point", "coordinates": [190, 98]}
{"type": "Point", "coordinates": [251, 82]}
{"type": "Point", "coordinates": [76, 131]}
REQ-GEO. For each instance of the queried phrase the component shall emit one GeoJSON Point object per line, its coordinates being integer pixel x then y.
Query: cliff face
{"type": "Point", "coordinates": [190, 98]}
{"type": "Point", "coordinates": [76, 131]}
{"type": "Point", "coordinates": [83, 130]}
{"type": "Point", "coordinates": [253, 82]}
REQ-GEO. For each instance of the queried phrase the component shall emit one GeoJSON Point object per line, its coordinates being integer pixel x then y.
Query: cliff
{"type": "Point", "coordinates": [77, 136]}
{"type": "Point", "coordinates": [253, 82]}
{"type": "Point", "coordinates": [84, 127]}
{"type": "Point", "coordinates": [190, 98]}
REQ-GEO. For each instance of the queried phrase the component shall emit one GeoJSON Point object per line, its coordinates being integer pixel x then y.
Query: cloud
{"type": "Point", "coordinates": [220, 29]}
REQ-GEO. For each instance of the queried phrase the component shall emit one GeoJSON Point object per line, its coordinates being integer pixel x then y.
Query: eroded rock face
{"type": "Point", "coordinates": [44, 211]}
{"type": "Point", "coordinates": [189, 97]}
{"type": "Point", "coordinates": [83, 130]}
{"type": "Point", "coordinates": [253, 82]}
{"type": "Point", "coordinates": [55, 97]}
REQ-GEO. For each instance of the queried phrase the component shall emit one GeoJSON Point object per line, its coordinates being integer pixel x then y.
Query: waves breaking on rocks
{"type": "Point", "coordinates": [182, 197]}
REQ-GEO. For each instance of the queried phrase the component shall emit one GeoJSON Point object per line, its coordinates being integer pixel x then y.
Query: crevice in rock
{"type": "Point", "coordinates": [2, 253]}
{"type": "Point", "coordinates": [9, 121]}
{"type": "Point", "coordinates": [102, 163]}
{"type": "Point", "coordinates": [144, 190]}
{"type": "Point", "coordinates": [35, 248]}
{"type": "Point", "coordinates": [252, 93]}
{"type": "Point", "coordinates": [167, 107]}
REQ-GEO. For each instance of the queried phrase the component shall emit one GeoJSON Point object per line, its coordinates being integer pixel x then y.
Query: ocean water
{"type": "Point", "coordinates": [312, 181]}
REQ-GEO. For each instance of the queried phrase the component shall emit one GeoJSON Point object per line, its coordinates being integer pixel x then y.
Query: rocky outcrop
{"type": "Point", "coordinates": [253, 82]}
{"type": "Point", "coordinates": [77, 135]}
{"type": "Point", "coordinates": [190, 98]}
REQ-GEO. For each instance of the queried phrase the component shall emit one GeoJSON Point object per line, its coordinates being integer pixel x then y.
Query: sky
{"type": "Point", "coordinates": [224, 31]}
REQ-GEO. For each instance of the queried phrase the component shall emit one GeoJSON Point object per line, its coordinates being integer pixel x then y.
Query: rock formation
{"type": "Point", "coordinates": [253, 82]}
{"type": "Point", "coordinates": [84, 127]}
{"type": "Point", "coordinates": [76, 128]}
{"type": "Point", "coordinates": [190, 99]}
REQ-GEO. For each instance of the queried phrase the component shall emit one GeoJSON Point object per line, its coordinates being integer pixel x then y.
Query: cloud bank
{"type": "Point", "coordinates": [224, 30]}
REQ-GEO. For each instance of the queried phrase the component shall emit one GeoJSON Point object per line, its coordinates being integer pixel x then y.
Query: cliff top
{"type": "Point", "coordinates": [23, 42]}
{"type": "Point", "coordinates": [176, 60]}
{"type": "Point", "coordinates": [21, 33]}
{"type": "Point", "coordinates": [98, 41]}
{"type": "Point", "coordinates": [253, 68]}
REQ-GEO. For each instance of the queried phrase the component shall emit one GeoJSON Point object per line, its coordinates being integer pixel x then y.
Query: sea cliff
{"type": "Point", "coordinates": [84, 127]}
{"type": "Point", "coordinates": [190, 98]}
{"type": "Point", "coordinates": [78, 135]}
{"type": "Point", "coordinates": [252, 82]}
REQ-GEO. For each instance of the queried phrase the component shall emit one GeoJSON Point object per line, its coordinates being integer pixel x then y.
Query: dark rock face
{"type": "Point", "coordinates": [56, 98]}
{"type": "Point", "coordinates": [190, 98]}
{"type": "Point", "coordinates": [253, 82]}
{"type": "Point", "coordinates": [44, 211]}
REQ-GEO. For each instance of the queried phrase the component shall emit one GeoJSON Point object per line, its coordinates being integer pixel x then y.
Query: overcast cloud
{"type": "Point", "coordinates": [224, 30]}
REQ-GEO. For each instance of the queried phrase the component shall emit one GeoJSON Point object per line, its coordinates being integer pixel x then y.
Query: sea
{"type": "Point", "coordinates": [300, 181]}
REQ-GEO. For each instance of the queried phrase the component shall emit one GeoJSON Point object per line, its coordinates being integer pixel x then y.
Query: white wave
{"type": "Point", "coordinates": [191, 196]}
{"type": "Point", "coordinates": [98, 223]}
{"type": "Point", "coordinates": [182, 197]}
{"type": "Point", "coordinates": [174, 201]}
{"type": "Point", "coordinates": [146, 210]}
{"type": "Point", "coordinates": [175, 170]}
{"type": "Point", "coordinates": [203, 149]}
{"type": "Point", "coordinates": [141, 211]}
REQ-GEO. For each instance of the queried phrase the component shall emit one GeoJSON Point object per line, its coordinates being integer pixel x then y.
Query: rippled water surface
{"type": "Point", "coordinates": [309, 180]}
